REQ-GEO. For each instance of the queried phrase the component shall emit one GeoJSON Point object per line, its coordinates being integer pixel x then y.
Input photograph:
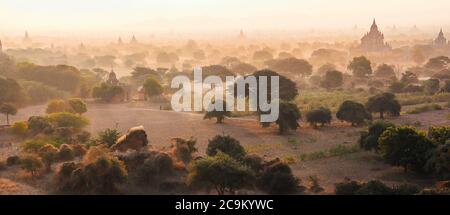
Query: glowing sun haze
{"type": "Point", "coordinates": [213, 15]}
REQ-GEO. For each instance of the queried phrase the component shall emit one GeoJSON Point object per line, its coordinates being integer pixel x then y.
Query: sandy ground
{"type": "Point", "coordinates": [161, 126]}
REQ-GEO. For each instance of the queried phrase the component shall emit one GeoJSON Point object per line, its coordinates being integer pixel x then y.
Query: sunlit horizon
{"type": "Point", "coordinates": [83, 16]}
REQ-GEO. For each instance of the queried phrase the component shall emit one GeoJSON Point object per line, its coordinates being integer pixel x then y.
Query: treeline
{"type": "Point", "coordinates": [26, 83]}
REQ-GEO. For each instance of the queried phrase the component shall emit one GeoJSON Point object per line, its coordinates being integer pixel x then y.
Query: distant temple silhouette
{"type": "Point", "coordinates": [241, 34]}
{"type": "Point", "coordinates": [133, 40]}
{"type": "Point", "coordinates": [440, 41]}
{"type": "Point", "coordinates": [373, 41]}
{"type": "Point", "coordinates": [112, 78]}
{"type": "Point", "coordinates": [26, 38]}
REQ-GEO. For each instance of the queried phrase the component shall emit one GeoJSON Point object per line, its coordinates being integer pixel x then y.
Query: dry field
{"type": "Point", "coordinates": [161, 126]}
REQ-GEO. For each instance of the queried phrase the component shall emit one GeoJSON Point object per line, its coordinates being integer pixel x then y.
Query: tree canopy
{"type": "Point", "coordinates": [360, 66]}
{"type": "Point", "coordinates": [384, 103]}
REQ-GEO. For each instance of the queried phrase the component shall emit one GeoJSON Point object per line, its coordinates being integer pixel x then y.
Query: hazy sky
{"type": "Point", "coordinates": [211, 15]}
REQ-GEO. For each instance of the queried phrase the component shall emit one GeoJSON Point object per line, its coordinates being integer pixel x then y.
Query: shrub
{"type": "Point", "coordinates": [277, 178]}
{"type": "Point", "coordinates": [320, 115]}
{"type": "Point", "coordinates": [154, 169]}
{"type": "Point", "coordinates": [227, 145]}
{"type": "Point", "coordinates": [48, 154]}
{"type": "Point", "coordinates": [70, 120]}
{"type": "Point", "coordinates": [314, 184]}
{"type": "Point", "coordinates": [439, 134]}
{"type": "Point", "coordinates": [374, 187]}
{"type": "Point", "coordinates": [79, 150]}
{"type": "Point", "coordinates": [218, 114]}
{"type": "Point", "coordinates": [39, 124]}
{"type": "Point", "coordinates": [288, 117]}
{"type": "Point", "coordinates": [31, 164]}
{"type": "Point", "coordinates": [20, 128]}
{"type": "Point", "coordinates": [369, 139]}
{"type": "Point", "coordinates": [183, 149]}
{"type": "Point", "coordinates": [254, 162]}
{"type": "Point", "coordinates": [3, 165]}
{"type": "Point", "coordinates": [347, 187]}
{"type": "Point", "coordinates": [406, 189]}
{"type": "Point", "coordinates": [353, 112]}
{"type": "Point", "coordinates": [405, 147]}
{"type": "Point", "coordinates": [83, 137]}
{"type": "Point", "coordinates": [12, 160]}
{"type": "Point", "coordinates": [57, 106]}
{"type": "Point", "coordinates": [77, 105]}
{"type": "Point", "coordinates": [337, 150]}
{"type": "Point", "coordinates": [424, 108]}
{"type": "Point", "coordinates": [221, 172]}
{"type": "Point", "coordinates": [98, 175]}
{"type": "Point", "coordinates": [34, 145]}
{"type": "Point", "coordinates": [65, 152]}
{"type": "Point", "coordinates": [439, 162]}
{"type": "Point", "coordinates": [109, 136]}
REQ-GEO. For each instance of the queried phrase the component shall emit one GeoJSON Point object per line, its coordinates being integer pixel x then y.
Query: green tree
{"type": "Point", "coordinates": [31, 164]}
{"type": "Point", "coordinates": [277, 178]}
{"type": "Point", "coordinates": [320, 115]}
{"type": "Point", "coordinates": [418, 56]}
{"type": "Point", "coordinates": [385, 71]}
{"type": "Point", "coordinates": [56, 106]}
{"type": "Point", "coordinates": [152, 87]}
{"type": "Point", "coordinates": [397, 87]}
{"type": "Point", "coordinates": [360, 66]}
{"type": "Point", "coordinates": [19, 128]}
{"type": "Point", "coordinates": [48, 154]}
{"type": "Point", "coordinates": [382, 103]}
{"type": "Point", "coordinates": [78, 105]}
{"type": "Point", "coordinates": [406, 147]}
{"type": "Point", "coordinates": [291, 66]}
{"type": "Point", "coordinates": [446, 87]}
{"type": "Point", "coordinates": [353, 112]}
{"type": "Point", "coordinates": [99, 173]}
{"type": "Point", "coordinates": [431, 86]}
{"type": "Point", "coordinates": [287, 88]}
{"type": "Point", "coordinates": [107, 92]}
{"type": "Point", "coordinates": [39, 124]}
{"type": "Point", "coordinates": [369, 139]}
{"type": "Point", "coordinates": [68, 120]}
{"type": "Point", "coordinates": [11, 92]}
{"type": "Point", "coordinates": [220, 172]}
{"type": "Point", "coordinates": [288, 117]}
{"type": "Point", "coordinates": [332, 79]}
{"type": "Point", "coordinates": [227, 145]}
{"type": "Point", "coordinates": [439, 163]}
{"type": "Point", "coordinates": [8, 109]}
{"type": "Point", "coordinates": [218, 114]}
{"type": "Point", "coordinates": [409, 78]}
{"type": "Point", "coordinates": [438, 63]}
